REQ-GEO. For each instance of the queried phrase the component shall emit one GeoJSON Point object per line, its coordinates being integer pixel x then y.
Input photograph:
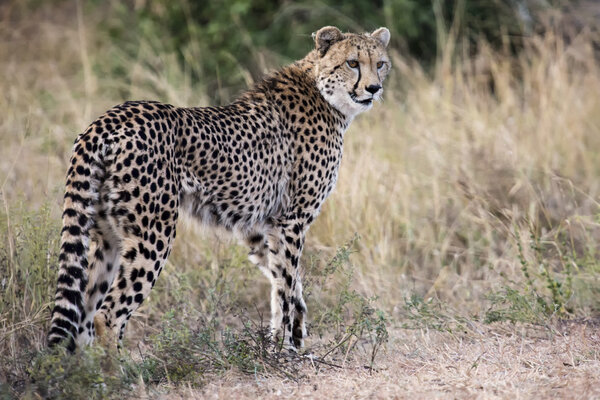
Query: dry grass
{"type": "Point", "coordinates": [499, 362]}
{"type": "Point", "coordinates": [458, 184]}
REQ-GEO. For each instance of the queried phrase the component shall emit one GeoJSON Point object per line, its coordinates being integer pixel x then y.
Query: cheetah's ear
{"type": "Point", "coordinates": [325, 37]}
{"type": "Point", "coordinates": [383, 35]}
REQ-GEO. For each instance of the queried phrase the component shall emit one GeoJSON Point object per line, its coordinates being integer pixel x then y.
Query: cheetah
{"type": "Point", "coordinates": [260, 167]}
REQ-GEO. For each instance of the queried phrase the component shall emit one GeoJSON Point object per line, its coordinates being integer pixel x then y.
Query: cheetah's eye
{"type": "Point", "coordinates": [352, 63]}
{"type": "Point", "coordinates": [380, 64]}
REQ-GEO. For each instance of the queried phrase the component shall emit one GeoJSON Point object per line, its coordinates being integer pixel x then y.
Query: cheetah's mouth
{"type": "Point", "coordinates": [365, 102]}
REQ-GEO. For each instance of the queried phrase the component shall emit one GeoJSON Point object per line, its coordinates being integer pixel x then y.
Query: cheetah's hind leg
{"type": "Point", "coordinates": [103, 259]}
{"type": "Point", "coordinates": [141, 261]}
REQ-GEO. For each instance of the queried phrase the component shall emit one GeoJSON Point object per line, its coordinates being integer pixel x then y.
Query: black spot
{"type": "Point", "coordinates": [131, 254]}
{"type": "Point", "coordinates": [122, 311]}
{"type": "Point", "coordinates": [70, 314]}
{"type": "Point", "coordinates": [83, 220]}
{"type": "Point", "coordinates": [69, 212]}
{"type": "Point", "coordinates": [76, 248]}
{"type": "Point", "coordinates": [74, 230]}
{"type": "Point", "coordinates": [65, 279]}
{"type": "Point", "coordinates": [72, 296]}
{"type": "Point", "coordinates": [134, 274]}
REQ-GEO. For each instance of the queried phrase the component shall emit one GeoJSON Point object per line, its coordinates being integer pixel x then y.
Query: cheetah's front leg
{"type": "Point", "coordinates": [288, 309]}
{"type": "Point", "coordinates": [277, 254]}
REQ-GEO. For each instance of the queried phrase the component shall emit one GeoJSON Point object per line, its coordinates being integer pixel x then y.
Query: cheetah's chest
{"type": "Point", "coordinates": [316, 171]}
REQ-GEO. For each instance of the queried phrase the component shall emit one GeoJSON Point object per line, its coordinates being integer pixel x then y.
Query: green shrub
{"type": "Point", "coordinates": [90, 373]}
{"type": "Point", "coordinates": [227, 44]}
{"type": "Point", "coordinates": [351, 318]}
{"type": "Point", "coordinates": [546, 289]}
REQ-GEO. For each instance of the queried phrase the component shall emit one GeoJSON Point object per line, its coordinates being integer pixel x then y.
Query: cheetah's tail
{"type": "Point", "coordinates": [81, 195]}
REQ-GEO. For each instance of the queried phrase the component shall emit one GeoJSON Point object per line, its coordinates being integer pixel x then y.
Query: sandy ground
{"type": "Point", "coordinates": [497, 362]}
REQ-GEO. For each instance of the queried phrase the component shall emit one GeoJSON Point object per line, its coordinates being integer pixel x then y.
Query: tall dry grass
{"type": "Point", "coordinates": [434, 179]}
{"type": "Point", "coordinates": [439, 178]}
{"type": "Point", "coordinates": [459, 183]}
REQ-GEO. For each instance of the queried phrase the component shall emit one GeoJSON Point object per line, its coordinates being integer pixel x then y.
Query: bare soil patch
{"type": "Point", "coordinates": [501, 361]}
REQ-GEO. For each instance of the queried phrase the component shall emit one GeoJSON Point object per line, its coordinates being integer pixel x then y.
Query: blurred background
{"type": "Point", "coordinates": [228, 44]}
{"type": "Point", "coordinates": [470, 193]}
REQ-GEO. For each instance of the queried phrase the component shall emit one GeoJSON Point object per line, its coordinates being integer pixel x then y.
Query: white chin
{"type": "Point", "coordinates": [360, 107]}
{"type": "Point", "coordinates": [366, 107]}
{"type": "Point", "coordinates": [343, 103]}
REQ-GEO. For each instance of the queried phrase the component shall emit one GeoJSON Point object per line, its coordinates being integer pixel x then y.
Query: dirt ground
{"type": "Point", "coordinates": [498, 362]}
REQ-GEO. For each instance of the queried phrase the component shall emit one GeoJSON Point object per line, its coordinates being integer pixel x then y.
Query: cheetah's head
{"type": "Point", "coordinates": [350, 68]}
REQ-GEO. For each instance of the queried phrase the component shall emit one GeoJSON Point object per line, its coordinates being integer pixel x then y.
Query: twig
{"type": "Point", "coordinates": [344, 340]}
{"type": "Point", "coordinates": [321, 361]}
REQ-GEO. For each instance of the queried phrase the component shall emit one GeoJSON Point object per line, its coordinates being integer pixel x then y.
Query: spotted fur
{"type": "Point", "coordinates": [260, 167]}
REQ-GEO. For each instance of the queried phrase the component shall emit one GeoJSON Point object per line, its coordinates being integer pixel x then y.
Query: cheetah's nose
{"type": "Point", "coordinates": [373, 88]}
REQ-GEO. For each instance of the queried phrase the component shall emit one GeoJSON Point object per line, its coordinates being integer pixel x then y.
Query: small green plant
{"type": "Point", "coordinates": [179, 354]}
{"type": "Point", "coordinates": [91, 373]}
{"type": "Point", "coordinates": [546, 289]}
{"type": "Point", "coordinates": [171, 358]}
{"type": "Point", "coordinates": [559, 291]}
{"type": "Point", "coordinates": [29, 243]}
{"type": "Point", "coordinates": [353, 318]}
{"type": "Point", "coordinates": [512, 305]}
{"type": "Point", "coordinates": [420, 313]}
